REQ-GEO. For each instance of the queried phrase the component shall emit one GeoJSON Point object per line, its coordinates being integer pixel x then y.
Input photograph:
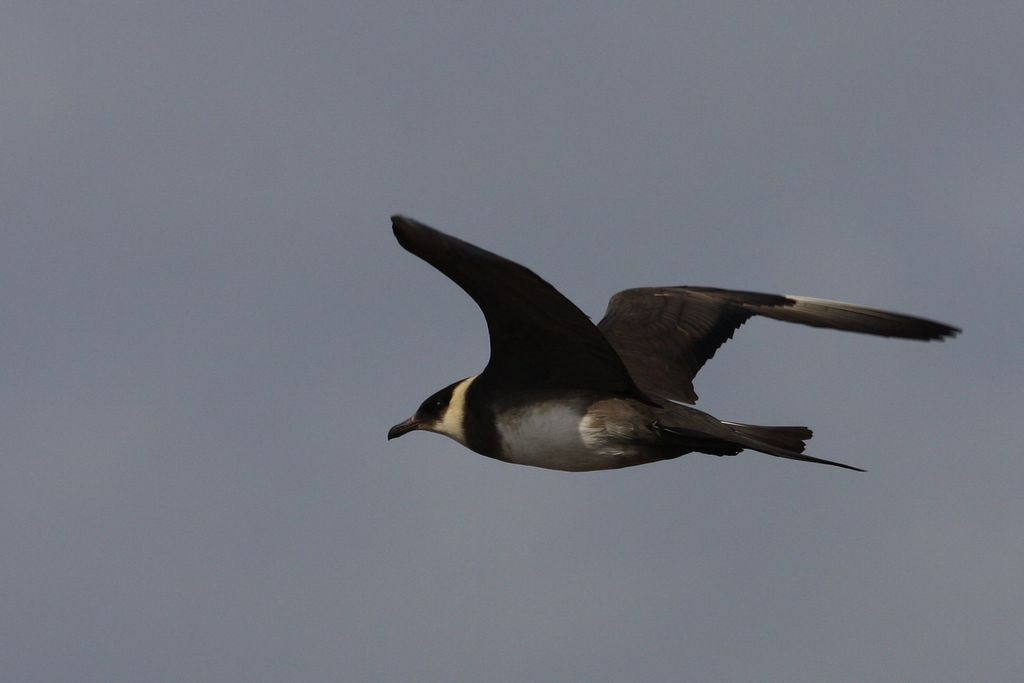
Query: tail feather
{"type": "Point", "coordinates": [782, 442]}
{"type": "Point", "coordinates": [786, 438]}
{"type": "Point", "coordinates": [688, 428]}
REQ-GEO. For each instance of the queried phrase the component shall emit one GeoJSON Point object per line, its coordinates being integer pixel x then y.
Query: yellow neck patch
{"type": "Point", "coordinates": [452, 422]}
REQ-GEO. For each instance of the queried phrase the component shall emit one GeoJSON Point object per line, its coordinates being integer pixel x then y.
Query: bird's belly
{"type": "Point", "coordinates": [553, 436]}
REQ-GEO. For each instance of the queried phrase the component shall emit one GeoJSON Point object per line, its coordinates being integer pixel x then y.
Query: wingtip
{"type": "Point", "coordinates": [406, 229]}
{"type": "Point", "coordinates": [936, 332]}
{"type": "Point", "coordinates": [400, 223]}
{"type": "Point", "coordinates": [422, 240]}
{"type": "Point", "coordinates": [933, 330]}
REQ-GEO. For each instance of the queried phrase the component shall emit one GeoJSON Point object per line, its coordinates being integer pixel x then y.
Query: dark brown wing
{"type": "Point", "coordinates": [664, 335]}
{"type": "Point", "coordinates": [539, 339]}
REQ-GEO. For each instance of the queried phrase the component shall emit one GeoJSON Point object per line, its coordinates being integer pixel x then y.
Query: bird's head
{"type": "Point", "coordinates": [443, 413]}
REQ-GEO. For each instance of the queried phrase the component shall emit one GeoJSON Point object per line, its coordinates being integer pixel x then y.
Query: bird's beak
{"type": "Point", "coordinates": [403, 427]}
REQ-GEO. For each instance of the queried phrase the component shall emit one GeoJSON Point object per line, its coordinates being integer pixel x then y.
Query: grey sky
{"type": "Point", "coordinates": [208, 328]}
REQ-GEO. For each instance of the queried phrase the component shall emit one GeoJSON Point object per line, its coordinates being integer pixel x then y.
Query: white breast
{"type": "Point", "coordinates": [559, 437]}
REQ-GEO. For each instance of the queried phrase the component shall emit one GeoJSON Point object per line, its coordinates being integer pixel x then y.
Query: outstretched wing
{"type": "Point", "coordinates": [665, 335]}
{"type": "Point", "coordinates": [539, 339]}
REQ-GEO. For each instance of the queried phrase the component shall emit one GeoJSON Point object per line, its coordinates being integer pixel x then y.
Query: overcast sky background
{"type": "Point", "coordinates": [206, 329]}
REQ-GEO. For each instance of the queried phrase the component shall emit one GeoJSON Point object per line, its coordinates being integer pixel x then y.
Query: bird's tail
{"type": "Point", "coordinates": [782, 442]}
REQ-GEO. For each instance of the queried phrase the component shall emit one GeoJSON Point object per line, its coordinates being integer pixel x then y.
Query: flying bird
{"type": "Point", "coordinates": [562, 393]}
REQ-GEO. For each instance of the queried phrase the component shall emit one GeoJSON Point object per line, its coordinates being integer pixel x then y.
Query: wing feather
{"type": "Point", "coordinates": [665, 335]}
{"type": "Point", "coordinates": [538, 337]}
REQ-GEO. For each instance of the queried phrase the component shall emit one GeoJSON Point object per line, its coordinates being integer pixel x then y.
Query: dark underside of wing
{"type": "Point", "coordinates": [539, 339]}
{"type": "Point", "coordinates": [665, 335]}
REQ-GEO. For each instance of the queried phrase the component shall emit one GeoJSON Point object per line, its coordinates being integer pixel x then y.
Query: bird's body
{"type": "Point", "coordinates": [556, 433]}
{"type": "Point", "coordinates": [561, 393]}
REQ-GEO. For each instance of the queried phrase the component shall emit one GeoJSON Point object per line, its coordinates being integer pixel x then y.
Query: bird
{"type": "Point", "coordinates": [561, 393]}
